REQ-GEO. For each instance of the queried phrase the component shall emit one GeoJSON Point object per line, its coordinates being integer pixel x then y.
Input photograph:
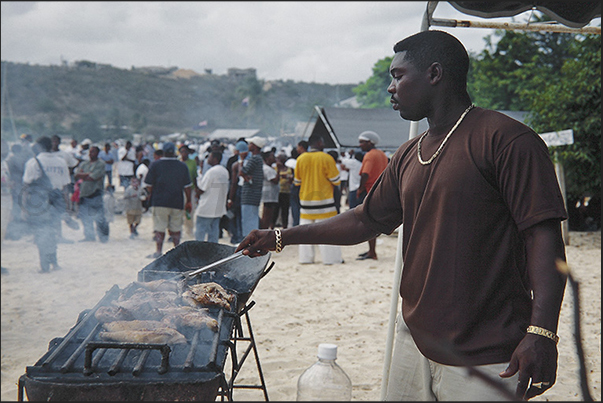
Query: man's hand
{"type": "Point", "coordinates": [258, 243]}
{"type": "Point", "coordinates": [536, 360]}
{"type": "Point", "coordinates": [188, 206]}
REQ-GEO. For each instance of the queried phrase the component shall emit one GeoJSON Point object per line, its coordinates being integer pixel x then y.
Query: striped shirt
{"type": "Point", "coordinates": [316, 173]}
{"type": "Point", "coordinates": [251, 192]}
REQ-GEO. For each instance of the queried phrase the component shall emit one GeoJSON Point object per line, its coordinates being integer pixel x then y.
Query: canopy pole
{"type": "Point", "coordinates": [510, 26]}
{"type": "Point", "coordinates": [398, 264]}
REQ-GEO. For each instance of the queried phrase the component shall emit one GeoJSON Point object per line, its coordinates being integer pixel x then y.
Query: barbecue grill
{"type": "Point", "coordinates": [80, 366]}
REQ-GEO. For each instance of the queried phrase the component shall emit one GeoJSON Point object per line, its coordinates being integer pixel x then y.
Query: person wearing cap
{"type": "Point", "coordinates": [373, 163]}
{"type": "Point", "coordinates": [91, 206]}
{"type": "Point", "coordinates": [252, 173]}
{"type": "Point", "coordinates": [479, 207]}
{"type": "Point", "coordinates": [169, 183]}
{"type": "Point", "coordinates": [234, 195]}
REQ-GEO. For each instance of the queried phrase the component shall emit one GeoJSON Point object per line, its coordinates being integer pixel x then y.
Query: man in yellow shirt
{"type": "Point", "coordinates": [316, 173]}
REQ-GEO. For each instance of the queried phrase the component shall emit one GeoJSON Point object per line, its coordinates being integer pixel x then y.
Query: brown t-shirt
{"type": "Point", "coordinates": [464, 282]}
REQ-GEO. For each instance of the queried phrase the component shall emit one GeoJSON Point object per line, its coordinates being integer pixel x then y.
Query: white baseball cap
{"type": "Point", "coordinates": [369, 136]}
{"type": "Point", "coordinates": [260, 142]}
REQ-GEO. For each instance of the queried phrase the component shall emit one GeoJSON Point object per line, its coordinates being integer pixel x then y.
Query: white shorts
{"type": "Point", "coordinates": [414, 377]}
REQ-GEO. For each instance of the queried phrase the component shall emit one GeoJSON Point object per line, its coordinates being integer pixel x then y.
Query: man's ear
{"type": "Point", "coordinates": [435, 72]}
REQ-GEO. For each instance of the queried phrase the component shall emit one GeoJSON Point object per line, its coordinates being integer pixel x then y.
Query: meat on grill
{"type": "Point", "coordinates": [110, 313]}
{"type": "Point", "coordinates": [185, 316]}
{"type": "Point", "coordinates": [152, 312]}
{"type": "Point", "coordinates": [208, 294]}
{"type": "Point", "coordinates": [159, 285]}
{"type": "Point", "coordinates": [165, 335]}
{"type": "Point", "coordinates": [121, 325]}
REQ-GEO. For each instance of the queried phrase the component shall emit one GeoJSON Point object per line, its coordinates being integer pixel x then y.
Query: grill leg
{"type": "Point", "coordinates": [257, 357]}
{"type": "Point", "coordinates": [238, 335]}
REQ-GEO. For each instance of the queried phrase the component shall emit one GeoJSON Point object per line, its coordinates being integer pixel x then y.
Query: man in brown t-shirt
{"type": "Point", "coordinates": [481, 209]}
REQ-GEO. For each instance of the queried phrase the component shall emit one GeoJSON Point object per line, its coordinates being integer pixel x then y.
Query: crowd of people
{"type": "Point", "coordinates": [204, 192]}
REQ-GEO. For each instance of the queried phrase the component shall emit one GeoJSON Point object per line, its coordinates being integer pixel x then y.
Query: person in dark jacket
{"type": "Point", "coordinates": [169, 184]}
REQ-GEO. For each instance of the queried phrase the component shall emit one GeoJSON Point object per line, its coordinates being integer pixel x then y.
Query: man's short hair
{"type": "Point", "coordinates": [217, 155]}
{"type": "Point", "coordinates": [44, 143]}
{"type": "Point", "coordinates": [427, 47]}
{"type": "Point", "coordinates": [303, 144]}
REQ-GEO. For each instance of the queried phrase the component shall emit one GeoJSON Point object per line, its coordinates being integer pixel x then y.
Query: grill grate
{"type": "Point", "coordinates": [80, 367]}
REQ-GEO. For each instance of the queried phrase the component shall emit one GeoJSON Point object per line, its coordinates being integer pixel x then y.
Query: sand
{"type": "Point", "coordinates": [297, 307]}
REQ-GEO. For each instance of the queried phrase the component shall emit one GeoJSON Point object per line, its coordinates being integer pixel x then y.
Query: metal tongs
{"type": "Point", "coordinates": [192, 273]}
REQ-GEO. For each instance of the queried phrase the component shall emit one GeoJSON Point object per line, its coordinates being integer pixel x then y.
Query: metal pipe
{"type": "Point", "coordinates": [188, 363]}
{"type": "Point", "coordinates": [510, 26]}
{"type": "Point", "coordinates": [140, 364]}
{"type": "Point", "coordinates": [399, 262]}
{"type": "Point", "coordinates": [120, 359]}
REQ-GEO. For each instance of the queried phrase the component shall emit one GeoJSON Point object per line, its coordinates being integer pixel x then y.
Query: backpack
{"type": "Point", "coordinates": [38, 197]}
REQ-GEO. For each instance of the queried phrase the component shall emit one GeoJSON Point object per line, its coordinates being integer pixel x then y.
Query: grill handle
{"type": "Point", "coordinates": [93, 345]}
{"type": "Point", "coordinates": [193, 273]}
{"type": "Point", "coordinates": [267, 270]}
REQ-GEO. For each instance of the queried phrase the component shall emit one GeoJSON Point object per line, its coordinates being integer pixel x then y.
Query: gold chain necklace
{"type": "Point", "coordinates": [439, 150]}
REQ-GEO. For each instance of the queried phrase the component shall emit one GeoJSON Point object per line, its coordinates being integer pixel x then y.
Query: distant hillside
{"type": "Point", "coordinates": [100, 101]}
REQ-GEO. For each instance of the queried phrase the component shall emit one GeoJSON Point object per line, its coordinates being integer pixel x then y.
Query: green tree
{"type": "Point", "coordinates": [373, 93]}
{"type": "Point", "coordinates": [555, 77]}
{"type": "Point", "coordinates": [571, 99]}
{"type": "Point", "coordinates": [492, 81]}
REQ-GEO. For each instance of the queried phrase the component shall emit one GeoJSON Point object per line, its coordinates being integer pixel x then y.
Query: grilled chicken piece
{"type": "Point", "coordinates": [205, 294]}
{"type": "Point", "coordinates": [121, 325]}
{"type": "Point", "coordinates": [106, 314]}
{"type": "Point", "coordinates": [185, 316]}
{"type": "Point", "coordinates": [144, 304]}
{"type": "Point", "coordinates": [159, 285]}
{"type": "Point", "coordinates": [158, 299]}
{"type": "Point", "coordinates": [163, 335]}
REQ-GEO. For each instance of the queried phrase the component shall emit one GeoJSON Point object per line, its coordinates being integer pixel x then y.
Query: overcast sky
{"type": "Point", "coordinates": [322, 42]}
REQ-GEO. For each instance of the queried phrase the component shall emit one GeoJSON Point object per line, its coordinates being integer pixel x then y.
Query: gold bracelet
{"type": "Point", "coordinates": [543, 332]}
{"type": "Point", "coordinates": [279, 240]}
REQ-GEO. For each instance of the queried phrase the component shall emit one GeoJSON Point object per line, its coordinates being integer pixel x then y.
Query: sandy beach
{"type": "Point", "coordinates": [297, 307]}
